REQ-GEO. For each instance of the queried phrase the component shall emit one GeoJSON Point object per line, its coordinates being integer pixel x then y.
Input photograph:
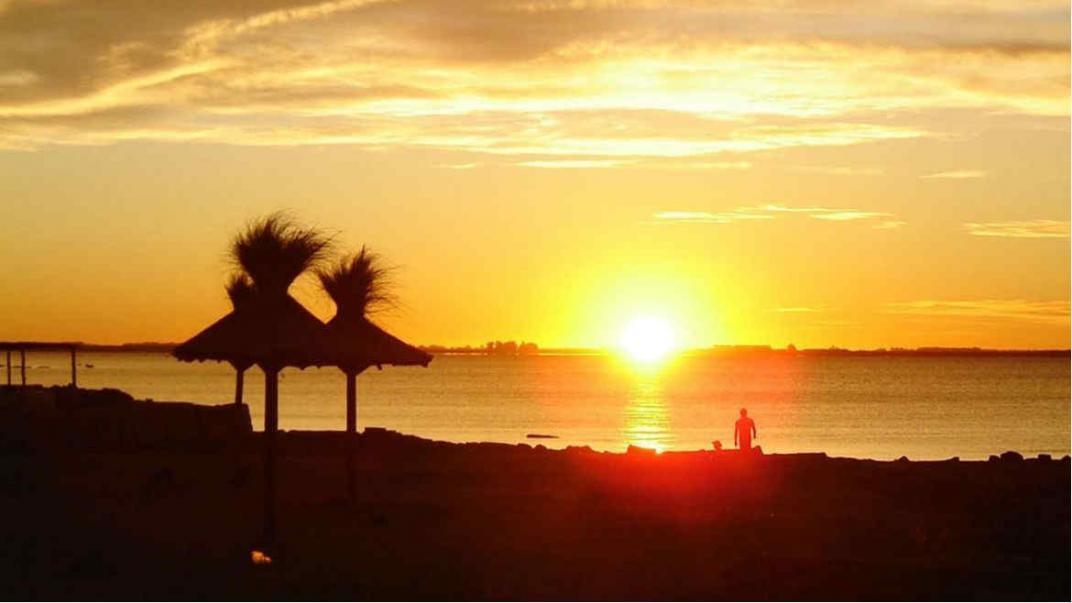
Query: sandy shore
{"type": "Point", "coordinates": [480, 521]}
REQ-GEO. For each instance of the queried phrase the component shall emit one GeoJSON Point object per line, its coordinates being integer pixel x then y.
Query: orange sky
{"type": "Point", "coordinates": [891, 173]}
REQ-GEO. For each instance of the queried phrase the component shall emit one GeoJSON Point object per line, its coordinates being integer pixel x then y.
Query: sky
{"type": "Point", "coordinates": [817, 172]}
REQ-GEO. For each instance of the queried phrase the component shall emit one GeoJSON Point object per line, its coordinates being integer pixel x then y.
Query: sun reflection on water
{"type": "Point", "coordinates": [647, 423]}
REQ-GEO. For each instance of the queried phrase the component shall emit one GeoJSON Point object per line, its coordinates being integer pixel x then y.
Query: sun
{"type": "Point", "coordinates": [647, 339]}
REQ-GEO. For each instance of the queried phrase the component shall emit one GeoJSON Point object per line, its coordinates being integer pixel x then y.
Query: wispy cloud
{"type": "Point", "coordinates": [957, 175]}
{"type": "Point", "coordinates": [706, 217]}
{"type": "Point", "coordinates": [1023, 229]}
{"type": "Point", "coordinates": [1056, 311]}
{"type": "Point", "coordinates": [845, 216]}
{"type": "Point", "coordinates": [573, 164]}
{"type": "Point", "coordinates": [578, 80]}
{"type": "Point", "coordinates": [796, 310]}
{"type": "Point", "coordinates": [837, 170]}
{"type": "Point", "coordinates": [770, 212]}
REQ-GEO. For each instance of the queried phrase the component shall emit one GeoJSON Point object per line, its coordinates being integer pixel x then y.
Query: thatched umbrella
{"type": "Point", "coordinates": [239, 290]}
{"type": "Point", "coordinates": [269, 328]}
{"type": "Point", "coordinates": [358, 285]}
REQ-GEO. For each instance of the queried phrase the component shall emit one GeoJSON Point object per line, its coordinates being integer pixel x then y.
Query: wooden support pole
{"type": "Point", "coordinates": [22, 368]}
{"type": "Point", "coordinates": [240, 379]}
{"type": "Point", "coordinates": [271, 428]}
{"type": "Point", "coordinates": [8, 364]}
{"type": "Point", "coordinates": [74, 369]}
{"type": "Point", "coordinates": [351, 433]}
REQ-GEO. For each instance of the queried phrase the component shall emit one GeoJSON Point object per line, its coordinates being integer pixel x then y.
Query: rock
{"type": "Point", "coordinates": [903, 459]}
{"type": "Point", "coordinates": [993, 458]}
{"type": "Point", "coordinates": [955, 459]}
{"type": "Point", "coordinates": [160, 484]}
{"type": "Point", "coordinates": [639, 450]}
{"type": "Point", "coordinates": [1011, 456]}
{"type": "Point", "coordinates": [1045, 457]}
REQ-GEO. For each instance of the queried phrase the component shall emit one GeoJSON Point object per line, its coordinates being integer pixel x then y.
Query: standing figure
{"type": "Point", "coordinates": [743, 431]}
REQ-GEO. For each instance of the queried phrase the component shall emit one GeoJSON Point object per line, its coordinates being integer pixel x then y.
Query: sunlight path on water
{"type": "Point", "coordinates": [647, 423]}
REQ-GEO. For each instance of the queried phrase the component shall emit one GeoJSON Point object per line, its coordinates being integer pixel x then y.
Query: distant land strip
{"type": "Point", "coordinates": [718, 350]}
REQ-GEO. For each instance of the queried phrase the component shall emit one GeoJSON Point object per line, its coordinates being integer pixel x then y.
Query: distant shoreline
{"type": "Point", "coordinates": [717, 351]}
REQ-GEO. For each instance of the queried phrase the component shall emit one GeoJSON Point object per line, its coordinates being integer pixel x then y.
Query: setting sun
{"type": "Point", "coordinates": [647, 339]}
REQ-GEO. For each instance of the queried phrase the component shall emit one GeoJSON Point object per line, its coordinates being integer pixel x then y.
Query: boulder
{"type": "Point", "coordinates": [1011, 456]}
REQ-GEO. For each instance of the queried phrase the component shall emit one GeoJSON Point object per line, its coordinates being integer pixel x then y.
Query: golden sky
{"type": "Point", "coordinates": [818, 172]}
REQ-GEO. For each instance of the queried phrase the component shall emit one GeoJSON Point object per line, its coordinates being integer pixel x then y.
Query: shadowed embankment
{"type": "Point", "coordinates": [437, 520]}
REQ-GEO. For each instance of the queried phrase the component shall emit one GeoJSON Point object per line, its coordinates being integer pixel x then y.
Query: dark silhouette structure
{"type": "Point", "coordinates": [744, 430]}
{"type": "Point", "coordinates": [269, 328]}
{"type": "Point", "coordinates": [239, 290]}
{"type": "Point", "coordinates": [23, 346]}
{"type": "Point", "coordinates": [358, 285]}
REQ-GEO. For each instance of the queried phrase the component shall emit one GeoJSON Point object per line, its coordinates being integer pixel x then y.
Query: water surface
{"type": "Point", "coordinates": [869, 407]}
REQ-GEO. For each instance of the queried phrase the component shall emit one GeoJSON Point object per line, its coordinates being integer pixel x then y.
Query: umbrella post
{"type": "Point", "coordinates": [240, 378]}
{"type": "Point", "coordinates": [351, 432]}
{"type": "Point", "coordinates": [271, 428]}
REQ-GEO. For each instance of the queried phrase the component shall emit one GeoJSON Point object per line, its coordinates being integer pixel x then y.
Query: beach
{"type": "Point", "coordinates": [436, 520]}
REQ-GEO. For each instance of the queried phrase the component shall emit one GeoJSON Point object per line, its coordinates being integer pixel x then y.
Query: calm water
{"type": "Point", "coordinates": [862, 407]}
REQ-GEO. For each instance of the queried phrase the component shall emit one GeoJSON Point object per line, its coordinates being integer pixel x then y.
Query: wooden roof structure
{"type": "Point", "coordinates": [358, 343]}
{"type": "Point", "coordinates": [272, 331]}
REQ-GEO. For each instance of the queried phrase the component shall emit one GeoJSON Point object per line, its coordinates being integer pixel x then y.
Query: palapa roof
{"type": "Point", "coordinates": [358, 343]}
{"type": "Point", "coordinates": [267, 330]}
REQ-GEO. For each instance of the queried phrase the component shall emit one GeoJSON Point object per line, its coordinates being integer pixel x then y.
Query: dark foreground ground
{"type": "Point", "coordinates": [484, 521]}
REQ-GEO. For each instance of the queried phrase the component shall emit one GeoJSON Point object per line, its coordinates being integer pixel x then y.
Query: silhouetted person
{"type": "Point", "coordinates": [744, 430]}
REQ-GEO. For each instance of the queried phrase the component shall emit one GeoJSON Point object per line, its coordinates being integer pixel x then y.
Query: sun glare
{"type": "Point", "coordinates": [647, 339]}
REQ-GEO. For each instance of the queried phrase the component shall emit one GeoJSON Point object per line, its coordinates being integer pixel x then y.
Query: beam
{"type": "Point", "coordinates": [74, 369]}
{"type": "Point", "coordinates": [22, 368]}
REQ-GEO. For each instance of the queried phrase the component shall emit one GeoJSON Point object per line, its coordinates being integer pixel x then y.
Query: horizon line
{"type": "Point", "coordinates": [483, 349]}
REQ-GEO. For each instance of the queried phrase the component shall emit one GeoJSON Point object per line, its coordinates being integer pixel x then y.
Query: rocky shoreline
{"type": "Point", "coordinates": [436, 520]}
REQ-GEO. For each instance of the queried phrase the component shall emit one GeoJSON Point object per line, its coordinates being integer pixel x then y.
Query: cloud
{"type": "Point", "coordinates": [836, 170]}
{"type": "Point", "coordinates": [845, 216]}
{"type": "Point", "coordinates": [796, 310]}
{"type": "Point", "coordinates": [957, 175]}
{"type": "Point", "coordinates": [770, 212]}
{"type": "Point", "coordinates": [1056, 311]}
{"type": "Point", "coordinates": [1024, 229]}
{"type": "Point", "coordinates": [19, 77]}
{"type": "Point", "coordinates": [705, 217]}
{"type": "Point", "coordinates": [579, 80]}
{"type": "Point", "coordinates": [573, 163]}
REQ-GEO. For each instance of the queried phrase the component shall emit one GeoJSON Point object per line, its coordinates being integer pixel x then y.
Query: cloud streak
{"type": "Point", "coordinates": [773, 211]}
{"type": "Point", "coordinates": [1054, 312]}
{"type": "Point", "coordinates": [1023, 229]}
{"type": "Point", "coordinates": [956, 175]}
{"type": "Point", "coordinates": [614, 81]}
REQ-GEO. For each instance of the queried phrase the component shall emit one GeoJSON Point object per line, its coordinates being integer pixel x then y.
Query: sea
{"type": "Point", "coordinates": [878, 407]}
